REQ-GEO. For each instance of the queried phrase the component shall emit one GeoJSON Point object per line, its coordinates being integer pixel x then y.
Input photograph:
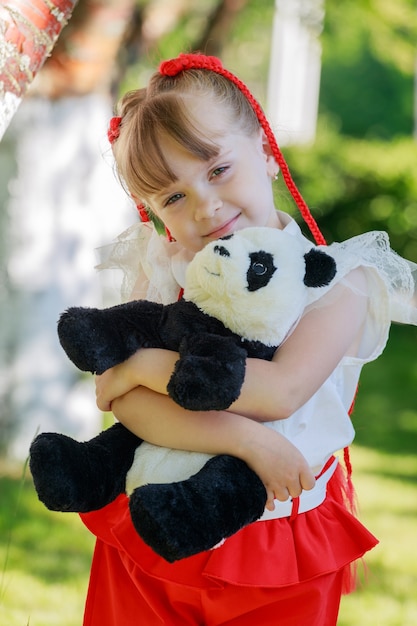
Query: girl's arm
{"type": "Point", "coordinates": [271, 390]}
{"type": "Point", "coordinates": [308, 357]}
{"type": "Point", "coordinates": [157, 419]}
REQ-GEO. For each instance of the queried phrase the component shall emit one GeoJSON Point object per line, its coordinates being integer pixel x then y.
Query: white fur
{"type": "Point", "coordinates": [163, 464]}
{"type": "Point", "coordinates": [218, 285]}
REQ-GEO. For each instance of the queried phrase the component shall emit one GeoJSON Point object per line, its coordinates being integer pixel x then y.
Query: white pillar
{"type": "Point", "coordinates": [295, 65]}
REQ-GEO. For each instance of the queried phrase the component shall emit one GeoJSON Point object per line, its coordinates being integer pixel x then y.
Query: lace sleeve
{"type": "Point", "coordinates": [390, 287]}
{"type": "Point", "coordinates": [398, 276]}
{"type": "Point", "coordinates": [143, 259]}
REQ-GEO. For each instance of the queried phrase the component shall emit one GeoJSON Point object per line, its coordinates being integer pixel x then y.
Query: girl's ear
{"type": "Point", "coordinates": [271, 164]}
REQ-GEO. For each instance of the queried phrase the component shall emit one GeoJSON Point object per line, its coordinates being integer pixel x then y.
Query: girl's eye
{"type": "Point", "coordinates": [219, 171]}
{"type": "Point", "coordinates": [174, 198]}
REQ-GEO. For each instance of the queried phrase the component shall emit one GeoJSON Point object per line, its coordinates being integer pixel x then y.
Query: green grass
{"type": "Point", "coordinates": [385, 475]}
{"type": "Point", "coordinates": [388, 507]}
{"type": "Point", "coordinates": [45, 556]}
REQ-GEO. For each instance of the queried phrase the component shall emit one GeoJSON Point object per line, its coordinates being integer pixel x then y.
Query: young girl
{"type": "Point", "coordinates": [195, 150]}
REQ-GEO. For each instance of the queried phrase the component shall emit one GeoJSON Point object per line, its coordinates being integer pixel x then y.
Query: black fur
{"type": "Point", "coordinates": [320, 268]}
{"type": "Point", "coordinates": [210, 371]}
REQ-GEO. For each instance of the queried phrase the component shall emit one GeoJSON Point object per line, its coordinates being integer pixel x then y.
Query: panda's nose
{"type": "Point", "coordinates": [221, 250]}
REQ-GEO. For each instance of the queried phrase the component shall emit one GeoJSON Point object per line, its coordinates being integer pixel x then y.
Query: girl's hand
{"type": "Point", "coordinates": [149, 367]}
{"type": "Point", "coordinates": [110, 386]}
{"type": "Point", "coordinates": [279, 464]}
{"type": "Point", "coordinates": [117, 381]}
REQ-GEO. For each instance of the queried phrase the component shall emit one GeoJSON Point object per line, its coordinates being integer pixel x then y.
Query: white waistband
{"type": "Point", "coordinates": [308, 499]}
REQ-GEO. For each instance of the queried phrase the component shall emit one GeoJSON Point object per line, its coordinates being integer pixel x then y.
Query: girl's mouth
{"type": "Point", "coordinates": [225, 229]}
{"type": "Point", "coordinates": [212, 273]}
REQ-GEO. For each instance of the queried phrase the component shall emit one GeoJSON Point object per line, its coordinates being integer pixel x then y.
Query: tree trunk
{"type": "Point", "coordinates": [28, 30]}
{"type": "Point", "coordinates": [219, 24]}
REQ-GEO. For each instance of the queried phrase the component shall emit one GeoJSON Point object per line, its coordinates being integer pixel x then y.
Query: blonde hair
{"type": "Point", "coordinates": [149, 114]}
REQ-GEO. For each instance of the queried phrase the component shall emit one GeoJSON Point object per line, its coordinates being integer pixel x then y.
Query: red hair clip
{"type": "Point", "coordinates": [114, 129]}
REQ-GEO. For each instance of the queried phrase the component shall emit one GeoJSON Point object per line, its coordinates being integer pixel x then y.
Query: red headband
{"type": "Point", "coordinates": [200, 61]}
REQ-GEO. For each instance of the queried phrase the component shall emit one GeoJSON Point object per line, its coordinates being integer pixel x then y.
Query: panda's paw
{"type": "Point", "coordinates": [56, 471]}
{"type": "Point", "coordinates": [179, 520]}
{"type": "Point", "coordinates": [74, 476]}
{"type": "Point", "coordinates": [80, 332]}
{"type": "Point", "coordinates": [61, 472]}
{"type": "Point", "coordinates": [165, 522]}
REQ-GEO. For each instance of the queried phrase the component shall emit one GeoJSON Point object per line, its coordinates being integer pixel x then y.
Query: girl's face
{"type": "Point", "coordinates": [211, 199]}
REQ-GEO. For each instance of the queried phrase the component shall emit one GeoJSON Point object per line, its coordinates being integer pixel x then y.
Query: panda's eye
{"type": "Point", "coordinates": [221, 251]}
{"type": "Point", "coordinates": [259, 269]}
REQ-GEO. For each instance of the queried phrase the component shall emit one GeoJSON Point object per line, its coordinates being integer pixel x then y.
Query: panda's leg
{"type": "Point", "coordinates": [181, 519]}
{"type": "Point", "coordinates": [81, 476]}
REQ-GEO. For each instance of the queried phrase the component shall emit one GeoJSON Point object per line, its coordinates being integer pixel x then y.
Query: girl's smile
{"type": "Point", "coordinates": [225, 229]}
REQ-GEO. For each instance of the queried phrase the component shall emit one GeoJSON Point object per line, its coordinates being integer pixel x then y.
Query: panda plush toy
{"type": "Point", "coordinates": [243, 295]}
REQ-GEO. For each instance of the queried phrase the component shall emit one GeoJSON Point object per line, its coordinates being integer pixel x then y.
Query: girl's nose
{"type": "Point", "coordinates": [206, 206]}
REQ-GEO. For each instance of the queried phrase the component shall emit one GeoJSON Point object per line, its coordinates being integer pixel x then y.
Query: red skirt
{"type": "Point", "coordinates": [268, 555]}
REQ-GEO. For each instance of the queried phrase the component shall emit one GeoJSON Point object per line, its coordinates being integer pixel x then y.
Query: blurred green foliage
{"type": "Point", "coordinates": [361, 172]}
{"type": "Point", "coordinates": [354, 185]}
{"type": "Point", "coordinates": [369, 51]}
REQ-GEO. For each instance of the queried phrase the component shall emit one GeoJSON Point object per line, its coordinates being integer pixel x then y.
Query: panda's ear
{"type": "Point", "coordinates": [320, 268]}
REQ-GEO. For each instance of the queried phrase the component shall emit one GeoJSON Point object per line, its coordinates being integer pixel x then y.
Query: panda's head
{"type": "Point", "coordinates": [257, 281]}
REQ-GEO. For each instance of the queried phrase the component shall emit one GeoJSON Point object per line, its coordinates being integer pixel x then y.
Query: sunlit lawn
{"type": "Point", "coordinates": [387, 491]}
{"type": "Point", "coordinates": [385, 466]}
{"type": "Point", "coordinates": [45, 557]}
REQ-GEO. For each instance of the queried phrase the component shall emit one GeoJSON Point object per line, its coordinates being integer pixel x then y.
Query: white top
{"type": "Point", "coordinates": [154, 269]}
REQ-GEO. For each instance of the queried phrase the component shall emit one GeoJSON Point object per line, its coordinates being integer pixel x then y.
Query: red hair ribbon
{"type": "Point", "coordinates": [144, 217]}
{"type": "Point", "coordinates": [114, 129]}
{"type": "Point", "coordinates": [201, 61]}
{"type": "Point", "coordinates": [143, 214]}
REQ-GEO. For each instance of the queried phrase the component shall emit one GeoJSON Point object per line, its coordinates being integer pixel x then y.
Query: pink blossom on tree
{"type": "Point", "coordinates": [28, 32]}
